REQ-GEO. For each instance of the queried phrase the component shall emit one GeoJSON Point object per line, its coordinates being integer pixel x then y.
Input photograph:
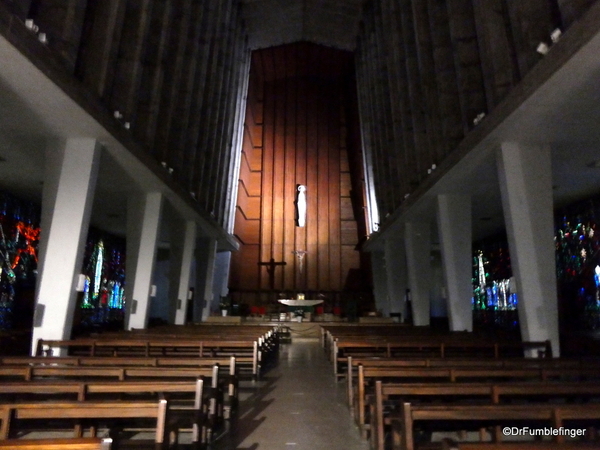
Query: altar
{"type": "Point", "coordinates": [300, 303]}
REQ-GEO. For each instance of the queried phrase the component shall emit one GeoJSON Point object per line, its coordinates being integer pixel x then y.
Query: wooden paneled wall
{"type": "Point", "coordinates": [297, 132]}
{"type": "Point", "coordinates": [175, 70]}
{"type": "Point", "coordinates": [427, 68]}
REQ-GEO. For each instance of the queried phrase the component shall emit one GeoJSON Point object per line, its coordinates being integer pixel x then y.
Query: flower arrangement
{"type": "Point", "coordinates": [224, 303]}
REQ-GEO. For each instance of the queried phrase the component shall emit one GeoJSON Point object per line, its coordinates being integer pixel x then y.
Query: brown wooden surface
{"type": "Point", "coordinates": [494, 393]}
{"type": "Point", "coordinates": [530, 445]}
{"type": "Point", "coordinates": [553, 414]}
{"type": "Point", "coordinates": [57, 444]}
{"type": "Point", "coordinates": [458, 374]}
{"type": "Point", "coordinates": [88, 410]}
{"type": "Point", "coordinates": [302, 143]}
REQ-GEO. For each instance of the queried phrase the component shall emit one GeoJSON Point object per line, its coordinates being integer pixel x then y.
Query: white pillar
{"type": "Point", "coordinates": [183, 243]}
{"type": "Point", "coordinates": [379, 281]}
{"type": "Point", "coordinates": [418, 259]}
{"type": "Point", "coordinates": [526, 187]}
{"type": "Point", "coordinates": [206, 251]}
{"type": "Point", "coordinates": [143, 224]}
{"type": "Point", "coordinates": [70, 181]}
{"type": "Point", "coordinates": [455, 230]}
{"type": "Point", "coordinates": [221, 275]}
{"type": "Point", "coordinates": [397, 276]}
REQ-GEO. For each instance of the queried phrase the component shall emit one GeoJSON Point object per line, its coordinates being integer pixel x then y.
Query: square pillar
{"type": "Point", "coordinates": [526, 186]}
{"type": "Point", "coordinates": [221, 276]}
{"type": "Point", "coordinates": [455, 230]}
{"type": "Point", "coordinates": [69, 185]}
{"type": "Point", "coordinates": [206, 252]}
{"type": "Point", "coordinates": [143, 224]}
{"type": "Point", "coordinates": [380, 288]}
{"type": "Point", "coordinates": [396, 274]}
{"type": "Point", "coordinates": [183, 244]}
{"type": "Point", "coordinates": [417, 238]}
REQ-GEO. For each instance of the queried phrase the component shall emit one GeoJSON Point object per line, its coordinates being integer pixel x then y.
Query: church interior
{"type": "Point", "coordinates": [260, 224]}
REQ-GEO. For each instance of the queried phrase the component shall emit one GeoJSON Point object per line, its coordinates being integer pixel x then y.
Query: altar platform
{"type": "Point", "coordinates": [305, 329]}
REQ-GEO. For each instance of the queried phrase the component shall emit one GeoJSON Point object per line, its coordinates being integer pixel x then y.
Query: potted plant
{"type": "Point", "coordinates": [224, 306]}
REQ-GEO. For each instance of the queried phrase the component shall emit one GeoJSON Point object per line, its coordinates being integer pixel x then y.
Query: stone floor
{"type": "Point", "coordinates": [296, 405]}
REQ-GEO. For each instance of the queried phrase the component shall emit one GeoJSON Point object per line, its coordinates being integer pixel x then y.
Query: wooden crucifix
{"type": "Point", "coordinates": [271, 266]}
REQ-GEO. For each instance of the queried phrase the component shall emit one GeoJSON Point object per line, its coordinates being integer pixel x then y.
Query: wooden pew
{"type": "Point", "coordinates": [205, 404]}
{"type": "Point", "coordinates": [170, 346]}
{"type": "Point", "coordinates": [490, 392]}
{"type": "Point", "coordinates": [81, 367]}
{"type": "Point", "coordinates": [438, 347]}
{"type": "Point", "coordinates": [530, 445]}
{"type": "Point", "coordinates": [329, 333]}
{"type": "Point", "coordinates": [116, 372]}
{"type": "Point", "coordinates": [145, 348]}
{"type": "Point", "coordinates": [157, 374]}
{"type": "Point", "coordinates": [395, 333]}
{"type": "Point", "coordinates": [454, 374]}
{"type": "Point", "coordinates": [553, 415]}
{"type": "Point", "coordinates": [57, 444]}
{"type": "Point", "coordinates": [126, 361]}
{"type": "Point", "coordinates": [85, 390]}
{"type": "Point", "coordinates": [398, 363]}
{"type": "Point", "coordinates": [13, 414]}
{"type": "Point", "coordinates": [119, 373]}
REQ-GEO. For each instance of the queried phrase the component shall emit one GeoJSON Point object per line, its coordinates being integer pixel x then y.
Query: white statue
{"type": "Point", "coordinates": [301, 205]}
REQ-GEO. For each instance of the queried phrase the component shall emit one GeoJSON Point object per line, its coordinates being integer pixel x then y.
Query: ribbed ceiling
{"type": "Point", "coordinates": [333, 23]}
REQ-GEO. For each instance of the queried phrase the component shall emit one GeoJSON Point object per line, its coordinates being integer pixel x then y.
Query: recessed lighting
{"type": "Point", "coordinates": [543, 48]}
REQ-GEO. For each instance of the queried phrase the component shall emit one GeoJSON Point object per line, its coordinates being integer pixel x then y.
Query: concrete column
{"type": "Point", "coordinates": [418, 258]}
{"type": "Point", "coordinates": [455, 230]}
{"type": "Point", "coordinates": [183, 243]}
{"type": "Point", "coordinates": [526, 187]}
{"type": "Point", "coordinates": [221, 276]}
{"type": "Point", "coordinates": [380, 281]}
{"type": "Point", "coordinates": [143, 224]}
{"type": "Point", "coordinates": [206, 251]}
{"type": "Point", "coordinates": [397, 275]}
{"type": "Point", "coordinates": [69, 184]}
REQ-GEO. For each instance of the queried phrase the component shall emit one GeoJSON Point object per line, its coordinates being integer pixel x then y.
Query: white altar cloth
{"type": "Point", "coordinates": [294, 302]}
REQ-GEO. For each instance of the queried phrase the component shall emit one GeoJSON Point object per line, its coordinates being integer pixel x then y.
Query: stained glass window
{"type": "Point", "coordinates": [494, 299]}
{"type": "Point", "coordinates": [102, 302]}
{"type": "Point", "coordinates": [577, 242]}
{"type": "Point", "coordinates": [19, 237]}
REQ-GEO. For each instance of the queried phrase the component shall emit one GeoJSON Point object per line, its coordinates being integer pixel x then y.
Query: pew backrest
{"type": "Point", "coordinates": [89, 410]}
{"type": "Point", "coordinates": [553, 414]}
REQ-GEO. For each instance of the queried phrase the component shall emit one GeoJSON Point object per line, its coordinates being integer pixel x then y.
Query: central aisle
{"type": "Point", "coordinates": [296, 405]}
